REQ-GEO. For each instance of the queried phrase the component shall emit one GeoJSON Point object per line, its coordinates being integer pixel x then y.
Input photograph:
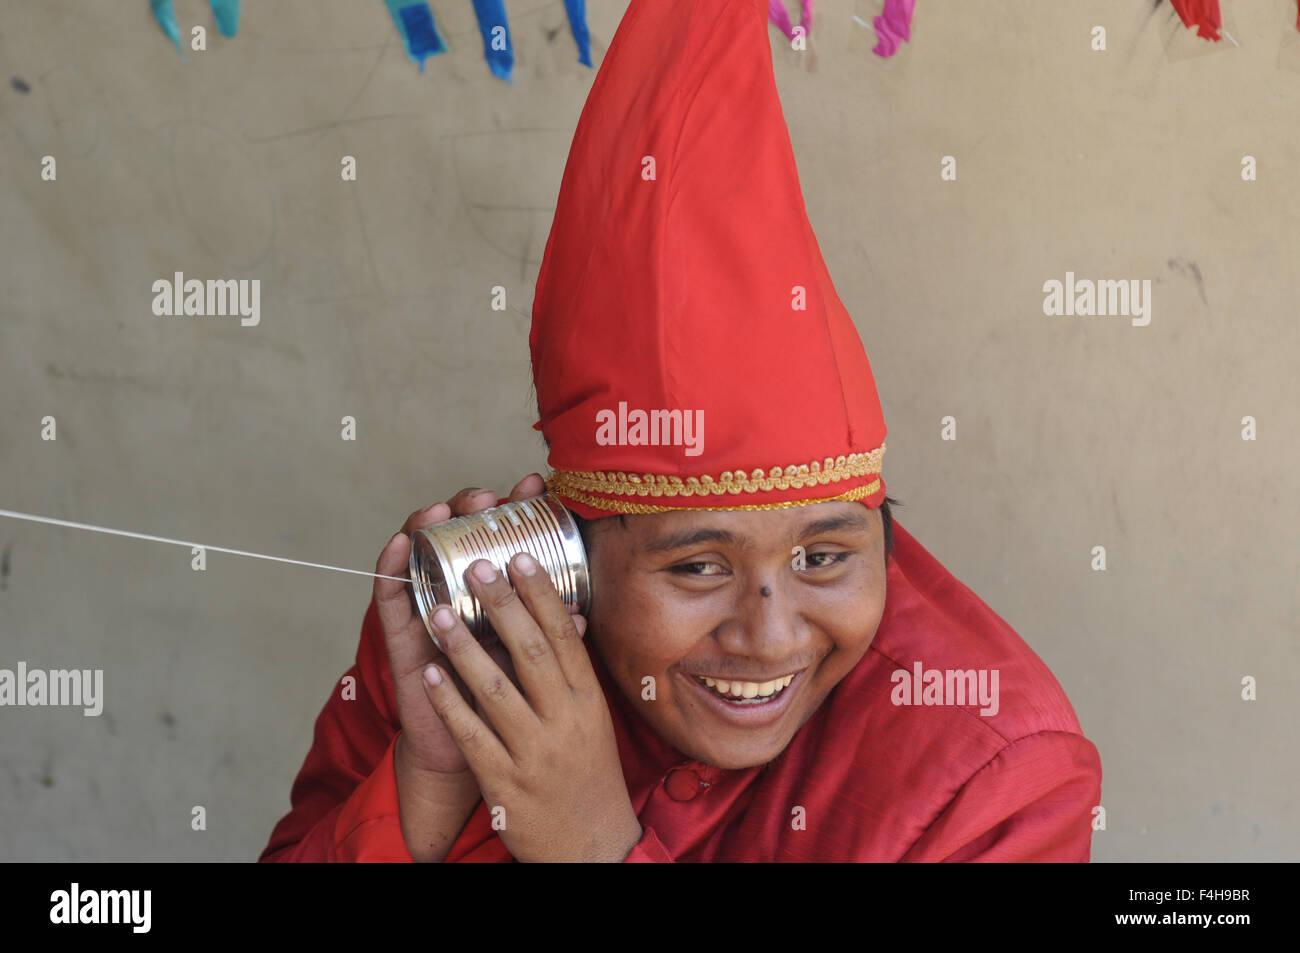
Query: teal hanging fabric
{"type": "Point", "coordinates": [227, 16]}
{"type": "Point", "coordinates": [166, 17]}
{"type": "Point", "coordinates": [226, 13]}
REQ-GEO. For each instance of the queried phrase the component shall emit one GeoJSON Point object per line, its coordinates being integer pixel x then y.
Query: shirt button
{"type": "Point", "coordinates": [684, 784]}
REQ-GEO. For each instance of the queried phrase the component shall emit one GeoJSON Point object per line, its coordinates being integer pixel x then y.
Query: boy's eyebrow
{"type": "Point", "coordinates": [689, 537]}
{"type": "Point", "coordinates": [832, 523]}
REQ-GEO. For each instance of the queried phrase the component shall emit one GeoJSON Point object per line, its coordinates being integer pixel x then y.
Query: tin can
{"type": "Point", "coordinates": [541, 527]}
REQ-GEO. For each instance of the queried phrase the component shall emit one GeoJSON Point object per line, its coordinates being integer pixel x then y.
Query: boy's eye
{"type": "Point", "coordinates": [697, 569]}
{"type": "Point", "coordinates": [830, 559]}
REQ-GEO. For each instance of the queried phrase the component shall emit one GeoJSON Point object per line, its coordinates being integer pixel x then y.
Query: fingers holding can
{"type": "Point", "coordinates": [431, 515]}
{"type": "Point", "coordinates": [542, 527]}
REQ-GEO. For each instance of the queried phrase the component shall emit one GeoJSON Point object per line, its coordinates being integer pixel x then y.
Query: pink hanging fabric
{"type": "Point", "coordinates": [893, 26]}
{"type": "Point", "coordinates": [777, 14]}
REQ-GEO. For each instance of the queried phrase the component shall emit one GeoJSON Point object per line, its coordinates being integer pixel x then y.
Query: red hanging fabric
{"type": "Point", "coordinates": [1202, 14]}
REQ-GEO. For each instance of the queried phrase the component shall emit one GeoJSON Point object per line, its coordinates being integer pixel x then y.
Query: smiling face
{"type": "Point", "coordinates": [680, 596]}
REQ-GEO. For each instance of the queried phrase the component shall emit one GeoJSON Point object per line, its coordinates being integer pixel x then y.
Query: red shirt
{"type": "Point", "coordinates": [876, 781]}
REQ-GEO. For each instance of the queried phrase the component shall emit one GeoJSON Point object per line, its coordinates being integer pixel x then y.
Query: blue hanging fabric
{"type": "Point", "coordinates": [577, 10]}
{"type": "Point", "coordinates": [227, 15]}
{"type": "Point", "coordinates": [496, 36]}
{"type": "Point", "coordinates": [415, 23]}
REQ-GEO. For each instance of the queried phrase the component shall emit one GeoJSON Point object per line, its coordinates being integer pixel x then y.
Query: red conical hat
{"type": "Point", "coordinates": [682, 275]}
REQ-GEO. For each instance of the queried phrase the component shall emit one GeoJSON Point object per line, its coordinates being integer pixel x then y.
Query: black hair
{"type": "Point", "coordinates": [585, 526]}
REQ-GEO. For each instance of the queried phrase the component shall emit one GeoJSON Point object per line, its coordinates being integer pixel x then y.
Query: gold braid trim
{"type": "Point", "coordinates": [581, 485]}
{"type": "Point", "coordinates": [619, 506]}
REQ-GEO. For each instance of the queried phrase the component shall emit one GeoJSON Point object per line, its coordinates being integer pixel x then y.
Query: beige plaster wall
{"type": "Point", "coordinates": [1071, 432]}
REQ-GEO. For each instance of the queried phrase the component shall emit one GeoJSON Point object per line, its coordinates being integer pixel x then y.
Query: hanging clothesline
{"type": "Point", "coordinates": [893, 26]}
{"type": "Point", "coordinates": [1207, 17]}
{"type": "Point", "coordinates": [415, 22]}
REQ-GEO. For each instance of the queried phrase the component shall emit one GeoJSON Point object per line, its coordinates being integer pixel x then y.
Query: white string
{"type": "Point", "coordinates": [179, 542]}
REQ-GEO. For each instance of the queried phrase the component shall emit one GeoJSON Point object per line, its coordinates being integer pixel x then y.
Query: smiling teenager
{"type": "Point", "coordinates": [761, 677]}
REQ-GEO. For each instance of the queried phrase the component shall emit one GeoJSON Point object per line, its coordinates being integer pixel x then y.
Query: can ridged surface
{"type": "Point", "coordinates": [542, 527]}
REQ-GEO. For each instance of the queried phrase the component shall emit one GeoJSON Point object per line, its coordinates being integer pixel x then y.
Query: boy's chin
{"type": "Point", "coordinates": [733, 757]}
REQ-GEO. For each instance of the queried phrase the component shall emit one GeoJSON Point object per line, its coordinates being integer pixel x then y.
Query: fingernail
{"type": "Point", "coordinates": [485, 571]}
{"type": "Point", "coordinates": [443, 618]}
{"type": "Point", "coordinates": [526, 564]}
{"type": "Point", "coordinates": [396, 537]}
{"type": "Point", "coordinates": [432, 675]}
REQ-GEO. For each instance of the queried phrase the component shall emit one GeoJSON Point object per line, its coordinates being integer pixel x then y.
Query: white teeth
{"type": "Point", "coordinates": [746, 690]}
